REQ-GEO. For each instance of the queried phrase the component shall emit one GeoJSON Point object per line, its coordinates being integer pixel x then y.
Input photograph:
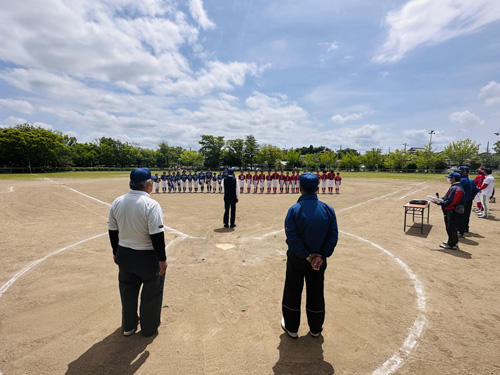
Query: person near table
{"type": "Point", "coordinates": [450, 204]}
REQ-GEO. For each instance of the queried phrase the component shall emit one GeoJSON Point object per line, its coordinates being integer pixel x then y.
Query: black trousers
{"type": "Point", "coordinates": [465, 218]}
{"type": "Point", "coordinates": [297, 270]}
{"type": "Point", "coordinates": [140, 268]}
{"type": "Point", "coordinates": [452, 220]}
{"type": "Point", "coordinates": [229, 206]}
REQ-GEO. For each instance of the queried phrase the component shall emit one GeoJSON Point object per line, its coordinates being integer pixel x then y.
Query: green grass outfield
{"type": "Point", "coordinates": [110, 174]}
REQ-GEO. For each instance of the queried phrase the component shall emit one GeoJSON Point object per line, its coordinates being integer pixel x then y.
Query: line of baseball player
{"type": "Point", "coordinates": [189, 181]}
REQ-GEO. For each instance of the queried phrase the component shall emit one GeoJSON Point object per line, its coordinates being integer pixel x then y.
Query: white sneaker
{"type": "Point", "coordinates": [314, 334]}
{"type": "Point", "coordinates": [293, 335]}
{"type": "Point", "coordinates": [132, 331]}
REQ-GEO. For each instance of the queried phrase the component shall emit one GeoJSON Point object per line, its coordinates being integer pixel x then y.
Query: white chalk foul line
{"type": "Point", "coordinates": [109, 205]}
{"type": "Point", "coordinates": [336, 211]}
{"type": "Point", "coordinates": [396, 360]}
{"type": "Point", "coordinates": [404, 196]}
{"type": "Point", "coordinates": [9, 283]}
{"type": "Point", "coordinates": [393, 363]}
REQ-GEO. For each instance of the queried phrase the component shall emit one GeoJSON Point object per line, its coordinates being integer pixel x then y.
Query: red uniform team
{"type": "Point", "coordinates": [287, 183]}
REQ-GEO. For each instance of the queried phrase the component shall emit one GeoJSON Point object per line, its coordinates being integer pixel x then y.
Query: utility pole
{"type": "Point", "coordinates": [405, 144]}
{"type": "Point", "coordinates": [431, 133]}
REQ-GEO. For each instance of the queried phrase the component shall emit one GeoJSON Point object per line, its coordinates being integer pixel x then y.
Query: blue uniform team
{"type": "Point", "coordinates": [189, 181]}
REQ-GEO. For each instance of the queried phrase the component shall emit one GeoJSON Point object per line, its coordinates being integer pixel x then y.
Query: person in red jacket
{"type": "Point", "coordinates": [248, 178]}
{"type": "Point", "coordinates": [479, 183]}
{"type": "Point", "coordinates": [262, 181]}
{"type": "Point", "coordinates": [241, 181]}
{"type": "Point", "coordinates": [322, 178]}
{"type": "Point", "coordinates": [255, 180]}
{"type": "Point", "coordinates": [276, 178]}
{"type": "Point", "coordinates": [451, 202]}
{"type": "Point", "coordinates": [269, 181]}
{"type": "Point", "coordinates": [282, 179]}
{"type": "Point", "coordinates": [289, 182]}
{"type": "Point", "coordinates": [330, 176]}
{"type": "Point", "coordinates": [338, 181]}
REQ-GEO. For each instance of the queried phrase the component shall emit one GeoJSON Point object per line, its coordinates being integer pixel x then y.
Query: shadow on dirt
{"type": "Point", "coordinates": [116, 354]}
{"type": "Point", "coordinates": [302, 356]}
{"type": "Point", "coordinates": [415, 230]}
{"type": "Point", "coordinates": [456, 253]}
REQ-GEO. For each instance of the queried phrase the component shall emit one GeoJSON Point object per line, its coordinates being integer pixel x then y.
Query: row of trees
{"type": "Point", "coordinates": [30, 147]}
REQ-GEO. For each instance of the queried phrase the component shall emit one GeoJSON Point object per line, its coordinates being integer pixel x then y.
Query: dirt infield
{"type": "Point", "coordinates": [396, 302]}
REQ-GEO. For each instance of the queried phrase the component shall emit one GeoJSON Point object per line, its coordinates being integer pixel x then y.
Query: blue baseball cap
{"type": "Point", "coordinates": [230, 171]}
{"type": "Point", "coordinates": [462, 169]}
{"type": "Point", "coordinates": [140, 174]}
{"type": "Point", "coordinates": [454, 175]}
{"type": "Point", "coordinates": [308, 180]}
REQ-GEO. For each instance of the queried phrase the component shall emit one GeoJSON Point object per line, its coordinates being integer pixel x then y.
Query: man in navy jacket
{"type": "Point", "coordinates": [470, 191]}
{"type": "Point", "coordinates": [312, 234]}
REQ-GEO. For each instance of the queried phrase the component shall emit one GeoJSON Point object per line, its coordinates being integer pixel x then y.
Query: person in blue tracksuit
{"type": "Point", "coordinates": [470, 191]}
{"type": "Point", "coordinates": [311, 234]}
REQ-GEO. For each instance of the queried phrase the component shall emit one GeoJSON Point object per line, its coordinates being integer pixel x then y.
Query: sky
{"type": "Point", "coordinates": [356, 74]}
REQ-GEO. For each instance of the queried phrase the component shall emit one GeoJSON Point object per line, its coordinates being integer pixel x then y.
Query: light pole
{"type": "Point", "coordinates": [431, 133]}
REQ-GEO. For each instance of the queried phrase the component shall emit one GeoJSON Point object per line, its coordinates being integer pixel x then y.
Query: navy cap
{"type": "Point", "coordinates": [308, 180]}
{"type": "Point", "coordinates": [462, 169]}
{"type": "Point", "coordinates": [454, 175]}
{"type": "Point", "coordinates": [140, 174]}
{"type": "Point", "coordinates": [230, 171]}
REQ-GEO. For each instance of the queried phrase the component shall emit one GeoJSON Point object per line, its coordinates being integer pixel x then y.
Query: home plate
{"type": "Point", "coordinates": [224, 246]}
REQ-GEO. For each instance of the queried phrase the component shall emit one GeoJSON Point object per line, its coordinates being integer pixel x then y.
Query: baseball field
{"type": "Point", "coordinates": [396, 302]}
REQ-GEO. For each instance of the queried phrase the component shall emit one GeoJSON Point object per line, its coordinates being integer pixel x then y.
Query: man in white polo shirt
{"type": "Point", "coordinates": [137, 237]}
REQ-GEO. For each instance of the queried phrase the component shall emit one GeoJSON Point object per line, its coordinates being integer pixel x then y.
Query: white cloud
{"type": "Point", "coordinates": [17, 105]}
{"type": "Point", "coordinates": [465, 118]}
{"type": "Point", "coordinates": [364, 137]}
{"type": "Point", "coordinates": [11, 121]}
{"type": "Point", "coordinates": [339, 119]}
{"type": "Point", "coordinates": [331, 46]}
{"type": "Point", "coordinates": [429, 22]}
{"type": "Point", "coordinates": [43, 125]}
{"type": "Point", "coordinates": [199, 14]}
{"type": "Point", "coordinates": [490, 93]}
{"type": "Point", "coordinates": [219, 76]}
{"type": "Point", "coordinates": [134, 46]}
